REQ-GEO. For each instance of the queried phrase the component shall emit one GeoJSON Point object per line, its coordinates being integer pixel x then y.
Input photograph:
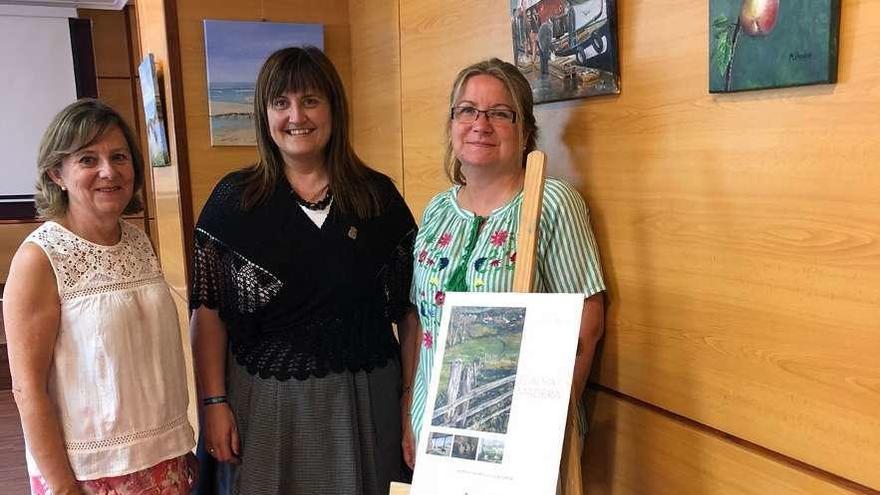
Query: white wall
{"type": "Point", "coordinates": [36, 81]}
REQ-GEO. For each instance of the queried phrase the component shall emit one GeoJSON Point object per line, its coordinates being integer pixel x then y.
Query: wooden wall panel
{"type": "Point", "coordinates": [209, 164]}
{"type": "Point", "coordinates": [110, 42]}
{"type": "Point", "coordinates": [375, 88]}
{"type": "Point", "coordinates": [436, 41]}
{"type": "Point", "coordinates": [739, 233]}
{"type": "Point", "coordinates": [118, 94]}
{"type": "Point", "coordinates": [634, 450]}
{"type": "Point", "coordinates": [169, 215]}
{"type": "Point", "coordinates": [11, 235]}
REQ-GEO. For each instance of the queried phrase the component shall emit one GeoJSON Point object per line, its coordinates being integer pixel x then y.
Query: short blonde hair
{"type": "Point", "coordinates": [523, 103]}
{"type": "Point", "coordinates": [80, 124]}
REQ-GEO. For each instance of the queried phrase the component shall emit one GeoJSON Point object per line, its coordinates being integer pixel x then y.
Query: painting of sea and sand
{"type": "Point", "coordinates": [157, 144]}
{"type": "Point", "coordinates": [234, 53]}
{"type": "Point", "coordinates": [475, 391]}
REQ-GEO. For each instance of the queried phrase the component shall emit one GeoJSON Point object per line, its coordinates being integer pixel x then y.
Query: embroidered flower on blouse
{"type": "Point", "coordinates": [422, 255]}
{"type": "Point", "coordinates": [495, 263]}
{"type": "Point", "coordinates": [498, 238]}
{"type": "Point", "coordinates": [444, 240]}
{"type": "Point", "coordinates": [513, 257]}
{"type": "Point", "coordinates": [444, 262]}
{"type": "Point", "coordinates": [439, 297]}
{"type": "Point", "coordinates": [428, 340]}
{"type": "Point", "coordinates": [434, 281]}
{"type": "Point", "coordinates": [430, 262]}
{"type": "Point", "coordinates": [478, 282]}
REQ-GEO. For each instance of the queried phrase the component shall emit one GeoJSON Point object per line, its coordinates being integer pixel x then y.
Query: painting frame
{"type": "Point", "coordinates": [157, 142]}
{"type": "Point", "coordinates": [234, 53]}
{"type": "Point", "coordinates": [566, 49]}
{"type": "Point", "coordinates": [768, 44]}
{"type": "Point", "coordinates": [513, 354]}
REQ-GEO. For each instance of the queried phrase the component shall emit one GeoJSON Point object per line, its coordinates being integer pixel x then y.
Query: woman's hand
{"type": "Point", "coordinates": [72, 489]}
{"type": "Point", "coordinates": [221, 433]}
{"type": "Point", "coordinates": [408, 443]}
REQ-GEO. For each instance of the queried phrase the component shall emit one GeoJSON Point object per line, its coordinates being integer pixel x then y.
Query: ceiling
{"type": "Point", "coordinates": [73, 4]}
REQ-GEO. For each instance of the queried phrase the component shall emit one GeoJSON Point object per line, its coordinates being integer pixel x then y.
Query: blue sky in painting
{"type": "Point", "coordinates": [236, 50]}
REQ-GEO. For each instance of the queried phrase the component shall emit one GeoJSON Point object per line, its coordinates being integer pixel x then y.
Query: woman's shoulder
{"type": "Point", "coordinates": [441, 202]}
{"type": "Point", "coordinates": [560, 194]}
{"type": "Point", "coordinates": [382, 184]}
{"type": "Point", "coordinates": [225, 198]}
{"type": "Point", "coordinates": [232, 185]}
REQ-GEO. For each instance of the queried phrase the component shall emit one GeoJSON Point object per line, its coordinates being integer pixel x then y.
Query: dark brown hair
{"type": "Point", "coordinates": [81, 124]}
{"type": "Point", "coordinates": [303, 69]}
{"type": "Point", "coordinates": [520, 93]}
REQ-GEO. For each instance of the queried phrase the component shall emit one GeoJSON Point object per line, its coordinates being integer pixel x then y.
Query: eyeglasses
{"type": "Point", "coordinates": [469, 115]}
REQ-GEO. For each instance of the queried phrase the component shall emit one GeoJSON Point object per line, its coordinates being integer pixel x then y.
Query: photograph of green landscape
{"type": "Point", "coordinates": [479, 368]}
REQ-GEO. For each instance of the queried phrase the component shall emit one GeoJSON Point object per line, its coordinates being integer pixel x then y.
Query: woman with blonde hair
{"type": "Point", "coordinates": [94, 344]}
{"type": "Point", "coordinates": [467, 239]}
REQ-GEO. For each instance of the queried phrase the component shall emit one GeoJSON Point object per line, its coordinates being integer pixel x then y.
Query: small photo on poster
{"type": "Point", "coordinates": [440, 444]}
{"type": "Point", "coordinates": [491, 450]}
{"type": "Point", "coordinates": [464, 447]}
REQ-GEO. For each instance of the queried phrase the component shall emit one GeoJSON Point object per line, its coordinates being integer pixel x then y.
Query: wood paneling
{"type": "Point", "coordinates": [111, 44]}
{"type": "Point", "coordinates": [13, 469]}
{"type": "Point", "coordinates": [739, 232]}
{"type": "Point", "coordinates": [11, 235]}
{"type": "Point", "coordinates": [375, 89]}
{"type": "Point", "coordinates": [118, 94]}
{"type": "Point", "coordinates": [436, 42]}
{"type": "Point", "coordinates": [209, 164]}
{"type": "Point", "coordinates": [635, 450]}
{"type": "Point", "coordinates": [158, 36]}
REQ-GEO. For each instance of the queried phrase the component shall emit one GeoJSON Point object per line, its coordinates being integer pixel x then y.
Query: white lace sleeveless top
{"type": "Point", "coordinates": [118, 377]}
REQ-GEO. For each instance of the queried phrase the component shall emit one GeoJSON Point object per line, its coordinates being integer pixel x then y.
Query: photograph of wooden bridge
{"type": "Point", "coordinates": [479, 368]}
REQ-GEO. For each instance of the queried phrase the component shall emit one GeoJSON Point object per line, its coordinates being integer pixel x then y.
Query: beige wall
{"type": "Point", "coordinates": [739, 232]}
{"type": "Point", "coordinates": [739, 237]}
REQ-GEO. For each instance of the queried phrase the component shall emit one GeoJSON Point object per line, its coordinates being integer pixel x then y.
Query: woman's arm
{"type": "Point", "coordinates": [410, 333]}
{"type": "Point", "coordinates": [209, 340]}
{"type": "Point", "coordinates": [592, 329]}
{"type": "Point", "coordinates": [31, 314]}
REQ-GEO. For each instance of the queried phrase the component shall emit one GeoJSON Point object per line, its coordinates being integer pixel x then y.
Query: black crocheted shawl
{"type": "Point", "coordinates": [298, 300]}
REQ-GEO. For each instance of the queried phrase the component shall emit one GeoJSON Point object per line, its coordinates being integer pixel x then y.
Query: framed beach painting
{"type": "Point", "coordinates": [234, 53]}
{"type": "Point", "coordinates": [758, 44]}
{"type": "Point", "coordinates": [498, 399]}
{"type": "Point", "coordinates": [157, 144]}
{"type": "Point", "coordinates": [566, 48]}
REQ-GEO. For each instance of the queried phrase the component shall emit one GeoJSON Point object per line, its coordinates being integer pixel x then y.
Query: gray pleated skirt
{"type": "Point", "coordinates": [337, 435]}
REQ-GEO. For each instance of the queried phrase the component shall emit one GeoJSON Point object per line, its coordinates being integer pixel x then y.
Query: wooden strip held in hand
{"type": "Point", "coordinates": [529, 222]}
{"type": "Point", "coordinates": [523, 281]}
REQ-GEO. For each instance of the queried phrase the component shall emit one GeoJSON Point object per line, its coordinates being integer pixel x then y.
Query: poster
{"type": "Point", "coordinates": [498, 398]}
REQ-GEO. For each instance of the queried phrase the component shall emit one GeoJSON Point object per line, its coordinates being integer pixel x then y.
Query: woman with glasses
{"type": "Point", "coordinates": [467, 240]}
{"type": "Point", "coordinates": [302, 262]}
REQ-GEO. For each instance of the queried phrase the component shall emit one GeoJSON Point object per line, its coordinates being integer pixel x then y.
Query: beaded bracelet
{"type": "Point", "coordinates": [217, 399]}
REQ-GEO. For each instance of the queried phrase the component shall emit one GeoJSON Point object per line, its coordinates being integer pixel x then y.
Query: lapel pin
{"type": "Point", "coordinates": [353, 232]}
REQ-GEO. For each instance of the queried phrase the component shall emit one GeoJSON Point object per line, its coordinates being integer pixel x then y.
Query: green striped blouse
{"type": "Point", "coordinates": [483, 252]}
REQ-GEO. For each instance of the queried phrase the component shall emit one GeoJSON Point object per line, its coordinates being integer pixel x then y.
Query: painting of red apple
{"type": "Point", "coordinates": [760, 44]}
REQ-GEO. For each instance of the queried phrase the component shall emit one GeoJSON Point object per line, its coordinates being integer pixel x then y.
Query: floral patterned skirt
{"type": "Point", "coordinates": [172, 477]}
